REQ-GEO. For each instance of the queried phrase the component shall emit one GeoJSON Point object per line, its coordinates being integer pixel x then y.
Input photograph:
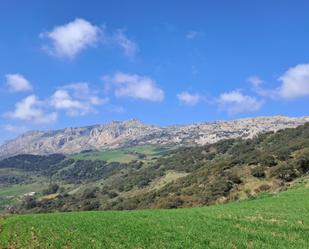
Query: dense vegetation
{"type": "Point", "coordinates": [190, 176]}
{"type": "Point", "coordinates": [266, 222]}
{"type": "Point", "coordinates": [32, 162]}
{"type": "Point", "coordinates": [223, 171]}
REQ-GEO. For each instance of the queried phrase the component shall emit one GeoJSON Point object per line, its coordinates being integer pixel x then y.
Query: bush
{"type": "Point", "coordinates": [263, 188]}
{"type": "Point", "coordinates": [171, 202]}
{"type": "Point", "coordinates": [234, 178]}
{"type": "Point", "coordinates": [90, 193]}
{"type": "Point", "coordinates": [29, 202]}
{"type": "Point", "coordinates": [143, 183]}
{"type": "Point", "coordinates": [91, 205]}
{"type": "Point", "coordinates": [303, 165]}
{"type": "Point", "coordinates": [258, 172]}
{"type": "Point", "coordinates": [52, 189]}
{"type": "Point", "coordinates": [286, 172]}
{"type": "Point", "coordinates": [112, 194]}
{"type": "Point", "coordinates": [269, 161]}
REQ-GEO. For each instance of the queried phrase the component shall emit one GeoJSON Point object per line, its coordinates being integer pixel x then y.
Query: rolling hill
{"type": "Point", "coordinates": [269, 221]}
{"type": "Point", "coordinates": [155, 177]}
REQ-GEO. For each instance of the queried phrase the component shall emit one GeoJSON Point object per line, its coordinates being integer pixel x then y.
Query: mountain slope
{"type": "Point", "coordinates": [226, 171]}
{"type": "Point", "coordinates": [133, 132]}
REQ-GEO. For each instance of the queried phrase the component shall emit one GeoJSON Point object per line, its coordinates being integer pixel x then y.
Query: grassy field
{"type": "Point", "coordinates": [8, 195]}
{"type": "Point", "coordinates": [280, 221]}
{"type": "Point", "coordinates": [123, 155]}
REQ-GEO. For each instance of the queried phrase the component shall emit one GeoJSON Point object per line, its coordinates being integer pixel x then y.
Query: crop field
{"type": "Point", "coordinates": [279, 221]}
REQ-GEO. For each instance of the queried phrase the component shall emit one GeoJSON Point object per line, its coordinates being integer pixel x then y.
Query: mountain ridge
{"type": "Point", "coordinates": [118, 134]}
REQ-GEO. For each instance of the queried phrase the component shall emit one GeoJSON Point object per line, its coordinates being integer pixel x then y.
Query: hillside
{"type": "Point", "coordinates": [155, 177]}
{"type": "Point", "coordinates": [279, 221]}
{"type": "Point", "coordinates": [133, 132]}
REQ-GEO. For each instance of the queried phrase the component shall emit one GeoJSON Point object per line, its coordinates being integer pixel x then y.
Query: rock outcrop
{"type": "Point", "coordinates": [133, 132]}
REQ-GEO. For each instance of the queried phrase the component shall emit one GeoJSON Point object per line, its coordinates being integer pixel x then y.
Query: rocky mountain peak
{"type": "Point", "coordinates": [125, 133]}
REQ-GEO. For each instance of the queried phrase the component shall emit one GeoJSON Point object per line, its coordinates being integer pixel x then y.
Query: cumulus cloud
{"type": "Point", "coordinates": [17, 83]}
{"type": "Point", "coordinates": [32, 109]}
{"type": "Point", "coordinates": [71, 38]}
{"type": "Point", "coordinates": [68, 40]}
{"type": "Point", "coordinates": [134, 86]}
{"type": "Point", "coordinates": [188, 98]}
{"type": "Point", "coordinates": [295, 82]}
{"type": "Point", "coordinates": [76, 99]}
{"type": "Point", "coordinates": [128, 46]}
{"type": "Point", "coordinates": [236, 102]}
{"type": "Point", "coordinates": [61, 99]}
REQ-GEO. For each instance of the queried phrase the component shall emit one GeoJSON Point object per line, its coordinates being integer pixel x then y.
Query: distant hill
{"type": "Point", "coordinates": [155, 177]}
{"type": "Point", "coordinates": [134, 132]}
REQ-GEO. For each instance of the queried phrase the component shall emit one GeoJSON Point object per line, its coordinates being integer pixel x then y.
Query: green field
{"type": "Point", "coordinates": [279, 221]}
{"type": "Point", "coordinates": [123, 155]}
{"type": "Point", "coordinates": [9, 194]}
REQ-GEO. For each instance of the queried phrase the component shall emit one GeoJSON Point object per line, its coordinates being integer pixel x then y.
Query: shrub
{"type": "Point", "coordinates": [112, 194]}
{"type": "Point", "coordinates": [269, 161]}
{"type": "Point", "coordinates": [303, 165]}
{"type": "Point", "coordinates": [263, 188]}
{"type": "Point", "coordinates": [29, 202]}
{"type": "Point", "coordinates": [234, 178]}
{"type": "Point", "coordinates": [143, 183]}
{"type": "Point", "coordinates": [170, 202]}
{"type": "Point", "coordinates": [91, 205]}
{"type": "Point", "coordinates": [90, 193]}
{"type": "Point", "coordinates": [258, 172]}
{"type": "Point", "coordinates": [52, 189]}
{"type": "Point", "coordinates": [286, 172]}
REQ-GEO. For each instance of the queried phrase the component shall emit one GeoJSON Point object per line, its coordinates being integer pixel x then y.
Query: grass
{"type": "Point", "coordinates": [280, 221]}
{"type": "Point", "coordinates": [10, 194]}
{"type": "Point", "coordinates": [168, 178]}
{"type": "Point", "coordinates": [20, 189]}
{"type": "Point", "coordinates": [123, 155]}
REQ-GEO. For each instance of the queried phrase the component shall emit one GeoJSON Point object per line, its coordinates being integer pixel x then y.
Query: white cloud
{"type": "Point", "coordinates": [129, 47]}
{"type": "Point", "coordinates": [192, 34]}
{"type": "Point", "coordinates": [31, 109]}
{"type": "Point", "coordinates": [83, 92]}
{"type": "Point", "coordinates": [255, 81]}
{"type": "Point", "coordinates": [295, 82]}
{"type": "Point", "coordinates": [134, 86]}
{"type": "Point", "coordinates": [61, 99]}
{"type": "Point", "coordinates": [71, 38]}
{"type": "Point", "coordinates": [17, 83]}
{"type": "Point", "coordinates": [235, 102]}
{"type": "Point", "coordinates": [188, 99]}
{"type": "Point", "coordinates": [76, 99]}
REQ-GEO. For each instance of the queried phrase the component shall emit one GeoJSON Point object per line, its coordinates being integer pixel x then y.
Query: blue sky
{"type": "Point", "coordinates": [74, 63]}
